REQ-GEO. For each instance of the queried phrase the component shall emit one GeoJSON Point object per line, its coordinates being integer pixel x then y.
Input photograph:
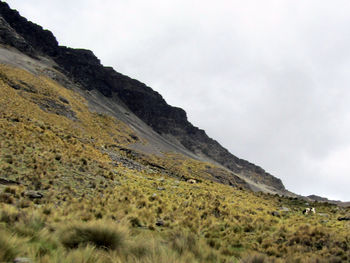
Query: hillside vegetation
{"type": "Point", "coordinates": [71, 190]}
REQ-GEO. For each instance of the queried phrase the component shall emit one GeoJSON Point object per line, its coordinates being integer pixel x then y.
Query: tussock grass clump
{"type": "Point", "coordinates": [29, 225]}
{"type": "Point", "coordinates": [6, 198]}
{"type": "Point", "coordinates": [101, 234]}
{"type": "Point", "coordinates": [188, 244]}
{"type": "Point", "coordinates": [87, 254]}
{"type": "Point", "coordinates": [142, 247]}
{"type": "Point", "coordinates": [9, 214]}
{"type": "Point", "coordinates": [255, 258]}
{"type": "Point", "coordinates": [8, 247]}
{"type": "Point", "coordinates": [182, 241]}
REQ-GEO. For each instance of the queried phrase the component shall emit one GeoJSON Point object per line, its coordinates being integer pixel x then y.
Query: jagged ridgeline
{"type": "Point", "coordinates": [97, 167]}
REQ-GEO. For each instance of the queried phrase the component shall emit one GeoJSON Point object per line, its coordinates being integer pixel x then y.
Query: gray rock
{"type": "Point", "coordinates": [7, 182]}
{"type": "Point", "coordinates": [22, 260]}
{"type": "Point", "coordinates": [160, 222]}
{"type": "Point", "coordinates": [64, 100]}
{"type": "Point", "coordinates": [275, 213]}
{"type": "Point", "coordinates": [285, 209]}
{"type": "Point", "coordinates": [323, 214]}
{"type": "Point", "coordinates": [34, 195]}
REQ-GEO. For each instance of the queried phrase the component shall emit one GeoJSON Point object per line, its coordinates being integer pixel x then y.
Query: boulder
{"type": "Point", "coordinates": [160, 222]}
{"type": "Point", "coordinates": [275, 213]}
{"type": "Point", "coordinates": [22, 260]}
{"type": "Point", "coordinates": [284, 209]}
{"type": "Point", "coordinates": [323, 214]}
{"type": "Point", "coordinates": [34, 195]}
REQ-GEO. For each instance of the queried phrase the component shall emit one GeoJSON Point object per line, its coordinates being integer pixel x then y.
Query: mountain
{"type": "Point", "coordinates": [83, 68]}
{"type": "Point", "coordinates": [96, 167]}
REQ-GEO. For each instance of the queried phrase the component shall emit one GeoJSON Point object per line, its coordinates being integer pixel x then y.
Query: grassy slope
{"type": "Point", "coordinates": [97, 209]}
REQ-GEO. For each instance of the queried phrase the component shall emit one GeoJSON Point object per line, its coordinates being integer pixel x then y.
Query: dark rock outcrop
{"type": "Point", "coordinates": [36, 38]}
{"type": "Point", "coordinates": [345, 218]}
{"type": "Point", "coordinates": [9, 36]}
{"type": "Point", "coordinates": [84, 68]}
{"type": "Point", "coordinates": [8, 182]}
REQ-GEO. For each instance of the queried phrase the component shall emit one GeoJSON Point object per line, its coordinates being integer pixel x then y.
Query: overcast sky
{"type": "Point", "coordinates": [268, 79]}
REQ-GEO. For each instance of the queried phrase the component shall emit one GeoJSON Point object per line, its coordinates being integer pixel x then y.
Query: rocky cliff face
{"type": "Point", "coordinates": [83, 67]}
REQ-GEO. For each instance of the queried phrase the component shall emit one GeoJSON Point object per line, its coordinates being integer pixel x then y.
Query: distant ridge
{"type": "Point", "coordinates": [326, 200]}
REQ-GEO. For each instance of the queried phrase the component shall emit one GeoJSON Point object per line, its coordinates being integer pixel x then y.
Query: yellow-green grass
{"type": "Point", "coordinates": [95, 209]}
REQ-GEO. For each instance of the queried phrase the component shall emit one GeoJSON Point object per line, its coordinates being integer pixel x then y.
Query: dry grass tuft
{"type": "Point", "coordinates": [8, 247]}
{"type": "Point", "coordinates": [102, 235]}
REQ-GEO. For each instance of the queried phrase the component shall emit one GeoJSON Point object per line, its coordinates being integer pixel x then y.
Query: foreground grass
{"type": "Point", "coordinates": [94, 208]}
{"type": "Point", "coordinates": [117, 229]}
